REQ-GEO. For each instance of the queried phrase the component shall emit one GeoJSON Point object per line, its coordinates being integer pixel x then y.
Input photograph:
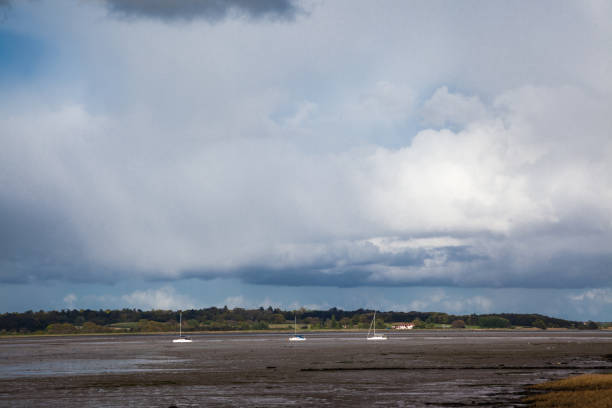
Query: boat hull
{"type": "Point", "coordinates": [182, 341]}
{"type": "Point", "coordinates": [377, 338]}
{"type": "Point", "coordinates": [297, 338]}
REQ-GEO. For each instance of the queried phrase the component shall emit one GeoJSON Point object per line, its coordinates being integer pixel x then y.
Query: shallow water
{"type": "Point", "coordinates": [417, 368]}
{"type": "Point", "coordinates": [79, 367]}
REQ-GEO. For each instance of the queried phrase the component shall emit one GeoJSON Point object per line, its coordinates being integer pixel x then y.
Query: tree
{"type": "Point", "coordinates": [191, 324]}
{"type": "Point", "coordinates": [331, 323]}
{"type": "Point", "coordinates": [214, 318]}
{"type": "Point", "coordinates": [472, 320]}
{"type": "Point", "coordinates": [418, 323]}
{"type": "Point", "coordinates": [314, 322]}
{"type": "Point", "coordinates": [346, 323]}
{"type": "Point", "coordinates": [278, 318]}
{"type": "Point", "coordinates": [539, 323]}
{"type": "Point", "coordinates": [91, 327]}
{"type": "Point", "coordinates": [365, 320]}
{"type": "Point", "coordinates": [493, 322]}
{"type": "Point", "coordinates": [61, 328]}
{"type": "Point", "coordinates": [458, 324]}
{"type": "Point", "coordinates": [260, 326]}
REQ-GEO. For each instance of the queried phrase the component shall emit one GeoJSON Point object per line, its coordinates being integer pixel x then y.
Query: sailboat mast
{"type": "Point", "coordinates": [373, 326]}
{"type": "Point", "coordinates": [374, 323]}
{"type": "Point", "coordinates": [295, 325]}
{"type": "Point", "coordinates": [180, 338]}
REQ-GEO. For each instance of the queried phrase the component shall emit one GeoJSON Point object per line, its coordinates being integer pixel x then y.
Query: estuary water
{"type": "Point", "coordinates": [410, 369]}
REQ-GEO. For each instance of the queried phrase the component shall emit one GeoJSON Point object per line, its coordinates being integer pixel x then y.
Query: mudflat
{"type": "Point", "coordinates": [411, 369]}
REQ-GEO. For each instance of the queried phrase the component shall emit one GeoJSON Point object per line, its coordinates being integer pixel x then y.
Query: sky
{"type": "Point", "coordinates": [399, 155]}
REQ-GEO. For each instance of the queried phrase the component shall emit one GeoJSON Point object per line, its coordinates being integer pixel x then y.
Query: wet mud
{"type": "Point", "coordinates": [414, 369]}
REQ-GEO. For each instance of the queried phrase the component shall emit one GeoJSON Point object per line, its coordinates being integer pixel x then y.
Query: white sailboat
{"type": "Point", "coordinates": [181, 339]}
{"type": "Point", "coordinates": [375, 336]}
{"type": "Point", "coordinates": [296, 337]}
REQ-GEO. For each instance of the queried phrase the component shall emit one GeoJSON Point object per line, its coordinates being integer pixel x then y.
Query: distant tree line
{"type": "Point", "coordinates": [213, 318]}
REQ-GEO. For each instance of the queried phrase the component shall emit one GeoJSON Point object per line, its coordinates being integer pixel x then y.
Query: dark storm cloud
{"type": "Point", "coordinates": [212, 10]}
{"type": "Point", "coordinates": [38, 244]}
{"type": "Point", "coordinates": [343, 278]}
{"type": "Point", "coordinates": [462, 266]}
{"type": "Point", "coordinates": [363, 270]}
{"type": "Point", "coordinates": [34, 241]}
{"type": "Point", "coordinates": [565, 270]}
{"type": "Point", "coordinates": [418, 257]}
{"type": "Point", "coordinates": [4, 9]}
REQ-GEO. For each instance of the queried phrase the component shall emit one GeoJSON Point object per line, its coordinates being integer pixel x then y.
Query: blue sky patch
{"type": "Point", "coordinates": [21, 56]}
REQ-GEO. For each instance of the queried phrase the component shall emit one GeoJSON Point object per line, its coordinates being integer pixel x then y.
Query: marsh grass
{"type": "Point", "coordinates": [588, 390]}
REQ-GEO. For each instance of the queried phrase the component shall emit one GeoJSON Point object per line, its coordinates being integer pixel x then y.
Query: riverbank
{"type": "Point", "coordinates": [288, 330]}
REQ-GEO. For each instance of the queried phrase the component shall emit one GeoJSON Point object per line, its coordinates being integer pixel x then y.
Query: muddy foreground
{"type": "Point", "coordinates": [414, 369]}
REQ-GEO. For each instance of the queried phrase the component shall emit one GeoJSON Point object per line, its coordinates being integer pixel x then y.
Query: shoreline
{"type": "Point", "coordinates": [289, 331]}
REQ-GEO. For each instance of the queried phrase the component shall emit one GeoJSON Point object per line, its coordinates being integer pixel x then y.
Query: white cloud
{"type": "Point", "coordinates": [69, 300]}
{"type": "Point", "coordinates": [475, 304]}
{"type": "Point", "coordinates": [444, 109]}
{"type": "Point", "coordinates": [304, 113]}
{"type": "Point", "coordinates": [592, 302]}
{"type": "Point", "coordinates": [241, 301]}
{"type": "Point", "coordinates": [385, 102]}
{"type": "Point", "coordinates": [165, 298]}
{"type": "Point", "coordinates": [308, 306]}
{"type": "Point", "coordinates": [396, 245]}
{"type": "Point", "coordinates": [233, 302]}
{"type": "Point", "coordinates": [496, 187]}
{"type": "Point", "coordinates": [416, 305]}
{"type": "Point", "coordinates": [438, 299]}
{"type": "Point", "coordinates": [598, 295]}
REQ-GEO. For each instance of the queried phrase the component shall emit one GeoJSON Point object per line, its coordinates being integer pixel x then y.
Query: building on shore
{"type": "Point", "coordinates": [403, 326]}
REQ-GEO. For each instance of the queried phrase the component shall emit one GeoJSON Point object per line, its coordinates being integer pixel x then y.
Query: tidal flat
{"type": "Point", "coordinates": [410, 369]}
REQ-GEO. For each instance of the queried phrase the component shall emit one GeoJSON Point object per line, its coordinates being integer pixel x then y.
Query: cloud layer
{"type": "Point", "coordinates": [211, 10]}
{"type": "Point", "coordinates": [164, 298]}
{"type": "Point", "coordinates": [194, 150]}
